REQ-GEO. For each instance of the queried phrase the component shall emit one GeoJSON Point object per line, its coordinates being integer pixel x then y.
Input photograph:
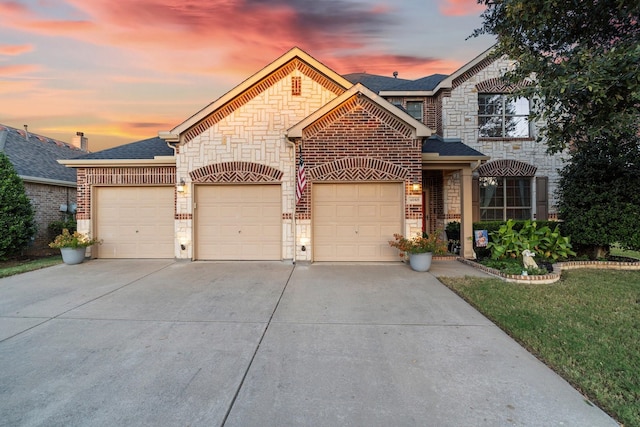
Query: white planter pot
{"type": "Point", "coordinates": [420, 262]}
{"type": "Point", "coordinates": [73, 256]}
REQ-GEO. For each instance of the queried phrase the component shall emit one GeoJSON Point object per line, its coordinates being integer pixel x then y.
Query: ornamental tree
{"type": "Point", "coordinates": [584, 60]}
{"type": "Point", "coordinates": [17, 224]}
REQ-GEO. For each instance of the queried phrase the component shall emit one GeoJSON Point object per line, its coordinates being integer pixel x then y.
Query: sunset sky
{"type": "Point", "coordinates": [122, 70]}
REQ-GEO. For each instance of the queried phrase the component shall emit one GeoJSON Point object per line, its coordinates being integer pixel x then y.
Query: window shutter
{"type": "Point", "coordinates": [542, 198]}
{"type": "Point", "coordinates": [475, 199]}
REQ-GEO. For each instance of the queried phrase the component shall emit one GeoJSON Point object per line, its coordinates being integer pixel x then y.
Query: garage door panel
{"type": "Point", "coordinates": [238, 222]}
{"type": "Point", "coordinates": [354, 222]}
{"type": "Point", "coordinates": [134, 222]}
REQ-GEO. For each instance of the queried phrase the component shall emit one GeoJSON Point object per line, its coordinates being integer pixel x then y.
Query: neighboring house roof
{"type": "Point", "coordinates": [148, 151]}
{"type": "Point", "coordinates": [382, 83]}
{"type": "Point", "coordinates": [145, 149]}
{"type": "Point", "coordinates": [35, 157]}
{"type": "Point", "coordinates": [436, 145]}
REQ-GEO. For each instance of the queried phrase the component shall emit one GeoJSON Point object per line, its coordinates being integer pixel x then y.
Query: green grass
{"type": "Point", "coordinates": [615, 250]}
{"type": "Point", "coordinates": [18, 267]}
{"type": "Point", "coordinates": [586, 327]}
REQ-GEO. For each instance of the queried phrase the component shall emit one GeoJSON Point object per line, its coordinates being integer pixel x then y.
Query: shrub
{"type": "Point", "coordinates": [16, 213]}
{"type": "Point", "coordinates": [547, 243]}
{"type": "Point", "coordinates": [55, 227]}
{"type": "Point", "coordinates": [494, 226]}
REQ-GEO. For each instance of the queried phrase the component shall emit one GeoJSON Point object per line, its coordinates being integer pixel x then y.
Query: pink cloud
{"type": "Point", "coordinates": [14, 50]}
{"type": "Point", "coordinates": [7, 70]}
{"type": "Point", "coordinates": [460, 7]}
{"type": "Point", "coordinates": [12, 7]}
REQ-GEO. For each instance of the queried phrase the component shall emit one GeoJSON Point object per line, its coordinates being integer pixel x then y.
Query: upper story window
{"type": "Point", "coordinates": [503, 116]}
{"type": "Point", "coordinates": [414, 108]}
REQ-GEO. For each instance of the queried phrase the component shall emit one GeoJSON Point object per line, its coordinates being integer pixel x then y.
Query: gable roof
{"type": "Point", "coordinates": [295, 53]}
{"type": "Point", "coordinates": [35, 157]}
{"type": "Point", "coordinates": [358, 89]}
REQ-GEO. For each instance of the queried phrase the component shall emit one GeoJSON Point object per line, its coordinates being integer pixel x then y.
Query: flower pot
{"type": "Point", "coordinates": [420, 262]}
{"type": "Point", "coordinates": [73, 256]}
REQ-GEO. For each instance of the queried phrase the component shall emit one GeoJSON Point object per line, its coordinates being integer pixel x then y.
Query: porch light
{"type": "Point", "coordinates": [416, 186]}
{"type": "Point", "coordinates": [180, 187]}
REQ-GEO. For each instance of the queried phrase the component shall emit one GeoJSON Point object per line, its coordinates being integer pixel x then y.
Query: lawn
{"type": "Point", "coordinates": [9, 268]}
{"type": "Point", "coordinates": [586, 327]}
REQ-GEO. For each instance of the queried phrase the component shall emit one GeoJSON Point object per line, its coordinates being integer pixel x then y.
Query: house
{"type": "Point", "coordinates": [382, 155]}
{"type": "Point", "coordinates": [50, 186]}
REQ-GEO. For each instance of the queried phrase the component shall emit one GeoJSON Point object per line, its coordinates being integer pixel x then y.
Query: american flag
{"type": "Point", "coordinates": [302, 179]}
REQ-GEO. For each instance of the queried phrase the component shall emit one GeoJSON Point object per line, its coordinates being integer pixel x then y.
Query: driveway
{"type": "Point", "coordinates": [164, 343]}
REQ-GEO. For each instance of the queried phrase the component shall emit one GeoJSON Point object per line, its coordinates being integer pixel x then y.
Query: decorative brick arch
{"type": "Point", "coordinates": [358, 169]}
{"type": "Point", "coordinates": [499, 85]}
{"type": "Point", "coordinates": [236, 172]}
{"type": "Point", "coordinates": [359, 102]}
{"type": "Point", "coordinates": [507, 167]}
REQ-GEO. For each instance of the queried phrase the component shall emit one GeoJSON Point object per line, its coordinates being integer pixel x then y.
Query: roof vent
{"type": "Point", "coordinates": [26, 132]}
{"type": "Point", "coordinates": [395, 74]}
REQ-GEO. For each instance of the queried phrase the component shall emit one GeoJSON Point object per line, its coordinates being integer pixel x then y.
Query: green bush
{"type": "Point", "coordinates": [16, 213]}
{"type": "Point", "coordinates": [55, 227]}
{"type": "Point", "coordinates": [494, 226]}
{"type": "Point", "coordinates": [549, 244]}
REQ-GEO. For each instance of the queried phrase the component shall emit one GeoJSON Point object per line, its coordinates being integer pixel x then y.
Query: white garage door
{"type": "Point", "coordinates": [238, 222]}
{"type": "Point", "coordinates": [134, 222]}
{"type": "Point", "coordinates": [354, 222]}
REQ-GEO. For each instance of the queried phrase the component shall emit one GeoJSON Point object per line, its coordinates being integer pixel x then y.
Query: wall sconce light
{"type": "Point", "coordinates": [180, 187]}
{"type": "Point", "coordinates": [416, 186]}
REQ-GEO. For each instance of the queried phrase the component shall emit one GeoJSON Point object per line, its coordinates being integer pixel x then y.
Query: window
{"type": "Point", "coordinates": [414, 108]}
{"type": "Point", "coordinates": [503, 198]}
{"type": "Point", "coordinates": [501, 116]}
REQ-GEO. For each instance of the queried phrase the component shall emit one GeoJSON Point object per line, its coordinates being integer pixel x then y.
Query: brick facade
{"type": "Point", "coordinates": [46, 200]}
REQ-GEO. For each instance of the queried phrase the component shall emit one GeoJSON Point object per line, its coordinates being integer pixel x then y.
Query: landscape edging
{"type": "Point", "coordinates": [544, 279]}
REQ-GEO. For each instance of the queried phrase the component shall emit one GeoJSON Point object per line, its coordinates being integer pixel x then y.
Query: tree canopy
{"type": "Point", "coordinates": [585, 58]}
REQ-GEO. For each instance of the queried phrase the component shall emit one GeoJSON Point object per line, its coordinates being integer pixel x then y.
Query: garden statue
{"type": "Point", "coordinates": [527, 259]}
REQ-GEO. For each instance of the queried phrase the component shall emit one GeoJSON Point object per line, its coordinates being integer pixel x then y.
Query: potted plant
{"type": "Point", "coordinates": [73, 246]}
{"type": "Point", "coordinates": [453, 236]}
{"type": "Point", "coordinates": [420, 249]}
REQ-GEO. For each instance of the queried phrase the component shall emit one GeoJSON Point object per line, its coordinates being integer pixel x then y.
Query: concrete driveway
{"type": "Point", "coordinates": [163, 343]}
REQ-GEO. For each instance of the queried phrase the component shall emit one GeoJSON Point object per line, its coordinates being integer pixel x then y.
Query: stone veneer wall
{"type": "Point", "coordinates": [46, 200]}
{"type": "Point", "coordinates": [253, 132]}
{"type": "Point", "coordinates": [460, 120]}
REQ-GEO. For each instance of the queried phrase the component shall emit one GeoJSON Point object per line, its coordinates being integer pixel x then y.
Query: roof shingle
{"type": "Point", "coordinates": [37, 156]}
